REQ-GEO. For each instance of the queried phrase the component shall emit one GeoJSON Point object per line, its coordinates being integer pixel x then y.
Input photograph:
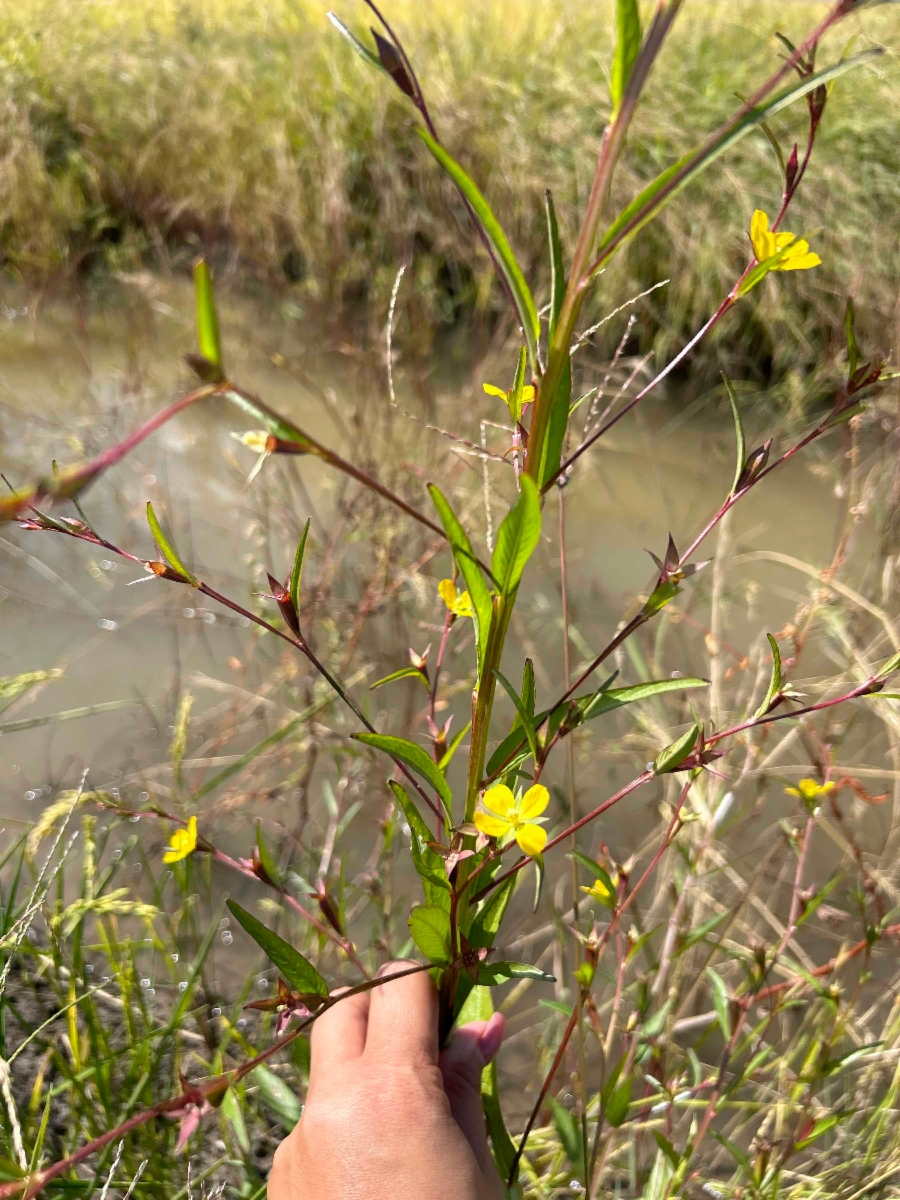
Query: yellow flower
{"type": "Point", "coordinates": [182, 843]}
{"type": "Point", "coordinates": [507, 815]}
{"type": "Point", "coordinates": [793, 255]}
{"type": "Point", "coordinates": [527, 392]}
{"type": "Point", "coordinates": [459, 603]}
{"type": "Point", "coordinates": [809, 789]}
{"type": "Point", "coordinates": [253, 439]}
{"type": "Point", "coordinates": [601, 892]}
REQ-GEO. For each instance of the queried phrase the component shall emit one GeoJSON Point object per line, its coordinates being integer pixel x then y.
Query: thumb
{"type": "Point", "coordinates": [472, 1048]}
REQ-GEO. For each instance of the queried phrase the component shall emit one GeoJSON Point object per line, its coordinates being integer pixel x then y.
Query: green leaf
{"type": "Point", "coordinates": [515, 399]}
{"type": "Point", "coordinates": [551, 451]}
{"type": "Point", "coordinates": [517, 537]}
{"type": "Point", "coordinates": [660, 597]}
{"type": "Point", "coordinates": [363, 52]}
{"type": "Point", "coordinates": [403, 673]}
{"type": "Point", "coordinates": [429, 926]}
{"type": "Point", "coordinates": [525, 722]}
{"type": "Point", "coordinates": [278, 1097]}
{"type": "Point", "coordinates": [821, 1126]}
{"type": "Point", "coordinates": [667, 1148]}
{"type": "Point", "coordinates": [468, 568]}
{"type": "Point", "coordinates": [569, 1132]}
{"type": "Point", "coordinates": [538, 860]}
{"type": "Point", "coordinates": [208, 339]}
{"type": "Point", "coordinates": [628, 46]}
{"type": "Point", "coordinates": [701, 932]}
{"type": "Point", "coordinates": [670, 182]}
{"type": "Point", "coordinates": [415, 757]}
{"type": "Point", "coordinates": [528, 692]}
{"type": "Point", "coordinates": [674, 755]}
{"type": "Point", "coordinates": [429, 865]}
{"type": "Point", "coordinates": [266, 861]}
{"type": "Point", "coordinates": [604, 702]}
{"type": "Point", "coordinates": [166, 549]}
{"type": "Point", "coordinates": [615, 1108]}
{"type": "Point", "coordinates": [776, 683]}
{"type": "Point", "coordinates": [490, 916]}
{"type": "Point", "coordinates": [298, 972]}
{"type": "Point", "coordinates": [738, 430]}
{"type": "Point", "coordinates": [721, 1002]}
{"type": "Point", "coordinates": [528, 317]}
{"type": "Point", "coordinates": [834, 1065]}
{"type": "Point", "coordinates": [297, 568]}
{"type": "Point", "coordinates": [490, 974]}
{"type": "Point", "coordinates": [454, 746]}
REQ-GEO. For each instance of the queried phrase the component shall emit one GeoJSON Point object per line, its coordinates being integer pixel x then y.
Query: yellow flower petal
{"type": "Point", "coordinates": [447, 592]}
{"type": "Point", "coordinates": [534, 802]}
{"type": "Point", "coordinates": [492, 826]}
{"type": "Point", "coordinates": [802, 263]}
{"type": "Point", "coordinates": [499, 800]}
{"type": "Point", "coordinates": [532, 839]}
{"type": "Point", "coordinates": [785, 239]}
{"type": "Point", "coordinates": [494, 391]}
{"type": "Point", "coordinates": [462, 605]}
{"type": "Point", "coordinates": [760, 236]}
{"type": "Point", "coordinates": [182, 842]}
{"type": "Point", "coordinates": [527, 393]}
{"type": "Point", "coordinates": [792, 792]}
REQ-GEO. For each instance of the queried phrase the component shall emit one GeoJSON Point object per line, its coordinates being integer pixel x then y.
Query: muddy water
{"type": "Point", "coordinates": [73, 380]}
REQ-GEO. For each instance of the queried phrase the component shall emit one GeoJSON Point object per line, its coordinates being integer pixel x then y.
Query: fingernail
{"type": "Point", "coordinates": [492, 1038]}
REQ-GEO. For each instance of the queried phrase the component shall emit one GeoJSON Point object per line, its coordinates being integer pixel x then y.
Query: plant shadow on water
{"type": "Point", "coordinates": [716, 953]}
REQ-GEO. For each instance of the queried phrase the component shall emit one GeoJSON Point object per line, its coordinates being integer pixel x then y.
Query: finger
{"type": "Point", "coordinates": [339, 1035]}
{"type": "Point", "coordinates": [472, 1048]}
{"type": "Point", "coordinates": [403, 1017]}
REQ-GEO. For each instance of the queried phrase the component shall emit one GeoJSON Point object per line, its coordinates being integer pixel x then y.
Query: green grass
{"type": "Point", "coordinates": [136, 131]}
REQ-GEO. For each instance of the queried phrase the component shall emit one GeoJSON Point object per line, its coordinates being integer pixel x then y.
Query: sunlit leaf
{"type": "Point", "coordinates": [208, 338]}
{"type": "Point", "coordinates": [738, 432]}
{"type": "Point", "coordinates": [429, 865]}
{"type": "Point", "coordinates": [721, 1002]}
{"type": "Point", "coordinates": [278, 1096]}
{"type": "Point", "coordinates": [468, 567]}
{"type": "Point", "coordinates": [517, 537]}
{"type": "Point", "coordinates": [512, 272]}
{"type": "Point", "coordinates": [294, 588]}
{"type": "Point", "coordinates": [429, 926]}
{"type": "Point", "coordinates": [551, 451]}
{"type": "Point", "coordinates": [568, 1130]}
{"type": "Point", "coordinates": [776, 682]}
{"type": "Point", "coordinates": [403, 673]}
{"type": "Point", "coordinates": [166, 549]}
{"type": "Point", "coordinates": [628, 46]}
{"type": "Point", "coordinates": [363, 51]}
{"type": "Point", "coordinates": [491, 974]}
{"type": "Point", "coordinates": [298, 971]}
{"type": "Point", "coordinates": [674, 755]}
{"type": "Point", "coordinates": [414, 756]}
{"type": "Point", "coordinates": [525, 721]}
{"type": "Point", "coordinates": [266, 859]}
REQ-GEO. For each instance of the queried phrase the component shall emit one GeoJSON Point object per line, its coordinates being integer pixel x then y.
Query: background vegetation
{"type": "Point", "coordinates": [132, 135]}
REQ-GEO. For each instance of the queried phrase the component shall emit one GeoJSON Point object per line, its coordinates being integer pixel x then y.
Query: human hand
{"type": "Point", "coordinates": [387, 1117]}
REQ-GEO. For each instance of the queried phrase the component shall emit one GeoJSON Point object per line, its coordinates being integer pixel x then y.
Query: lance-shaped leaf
{"type": "Point", "coordinates": [403, 673]}
{"type": "Point", "coordinates": [447, 756]}
{"type": "Point", "coordinates": [721, 1001]}
{"type": "Point", "coordinates": [551, 451]}
{"type": "Point", "coordinates": [294, 587]}
{"type": "Point", "coordinates": [539, 871]}
{"type": "Point", "coordinates": [674, 755]}
{"type": "Point", "coordinates": [525, 721]}
{"type": "Point", "coordinates": [363, 51]}
{"type": "Point", "coordinates": [738, 431]}
{"type": "Point", "coordinates": [628, 46]}
{"type": "Point", "coordinates": [430, 930]}
{"type": "Point", "coordinates": [517, 537]}
{"type": "Point", "coordinates": [606, 700]}
{"type": "Point", "coordinates": [489, 917]}
{"type": "Point", "coordinates": [490, 974]}
{"type": "Point", "coordinates": [667, 185]}
{"type": "Point", "coordinates": [413, 756]}
{"type": "Point", "coordinates": [516, 399]}
{"type": "Point", "coordinates": [429, 865]}
{"type": "Point", "coordinates": [266, 859]}
{"type": "Point", "coordinates": [166, 549]}
{"type": "Point", "coordinates": [776, 682]}
{"type": "Point", "coordinates": [209, 341]}
{"type": "Point", "coordinates": [298, 971]}
{"type": "Point", "coordinates": [528, 317]}
{"type": "Point", "coordinates": [469, 569]}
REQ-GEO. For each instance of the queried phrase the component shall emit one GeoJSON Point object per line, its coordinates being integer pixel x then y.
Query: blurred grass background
{"type": "Point", "coordinates": [133, 132]}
